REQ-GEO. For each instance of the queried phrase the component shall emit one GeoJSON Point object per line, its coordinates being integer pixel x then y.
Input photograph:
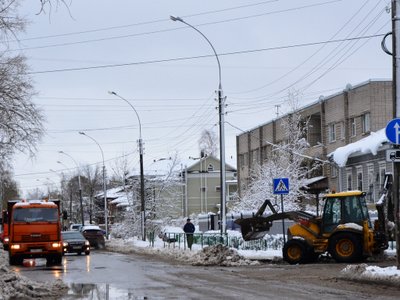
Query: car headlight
{"type": "Point", "coordinates": [6, 239]}
{"type": "Point", "coordinates": [87, 243]}
{"type": "Point", "coordinates": [16, 247]}
{"type": "Point", "coordinates": [65, 244]}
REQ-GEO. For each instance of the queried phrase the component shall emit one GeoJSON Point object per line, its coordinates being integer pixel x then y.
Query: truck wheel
{"type": "Point", "coordinates": [15, 260]}
{"type": "Point", "coordinates": [54, 260]}
{"type": "Point", "coordinates": [346, 247]}
{"type": "Point", "coordinates": [58, 259]}
{"type": "Point", "coordinates": [295, 252]}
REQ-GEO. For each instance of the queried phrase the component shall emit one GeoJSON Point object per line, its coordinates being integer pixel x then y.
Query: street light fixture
{"type": "Point", "coordinates": [104, 183]}
{"type": "Point", "coordinates": [221, 112]}
{"type": "Point", "coordinates": [140, 142]}
{"type": "Point", "coordinates": [79, 183]}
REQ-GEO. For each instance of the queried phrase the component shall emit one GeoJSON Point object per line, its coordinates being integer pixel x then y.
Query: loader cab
{"type": "Point", "coordinates": [343, 208]}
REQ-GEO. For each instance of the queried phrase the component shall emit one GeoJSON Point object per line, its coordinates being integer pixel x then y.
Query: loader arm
{"type": "Point", "coordinates": [257, 227]}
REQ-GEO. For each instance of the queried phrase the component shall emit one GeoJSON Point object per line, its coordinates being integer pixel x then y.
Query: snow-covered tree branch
{"type": "Point", "coordinates": [286, 160]}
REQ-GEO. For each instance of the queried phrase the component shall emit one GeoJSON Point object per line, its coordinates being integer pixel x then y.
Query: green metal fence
{"type": "Point", "coordinates": [210, 239]}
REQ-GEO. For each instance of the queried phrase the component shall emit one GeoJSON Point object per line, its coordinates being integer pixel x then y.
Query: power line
{"type": "Point", "coordinates": [144, 23]}
{"type": "Point", "coordinates": [207, 55]}
{"type": "Point", "coordinates": [171, 29]}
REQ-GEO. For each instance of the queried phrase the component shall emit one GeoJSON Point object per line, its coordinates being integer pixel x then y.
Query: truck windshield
{"type": "Point", "coordinates": [35, 214]}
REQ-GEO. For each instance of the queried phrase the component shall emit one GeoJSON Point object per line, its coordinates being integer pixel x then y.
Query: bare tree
{"type": "Point", "coordinates": [286, 160]}
{"type": "Point", "coordinates": [208, 143]}
{"type": "Point", "coordinates": [120, 170]}
{"type": "Point", "coordinates": [20, 120]}
{"type": "Point", "coordinates": [92, 185]}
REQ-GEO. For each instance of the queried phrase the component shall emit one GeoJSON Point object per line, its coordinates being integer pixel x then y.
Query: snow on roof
{"type": "Point", "coordinates": [122, 200]}
{"type": "Point", "coordinates": [112, 193]}
{"type": "Point", "coordinates": [369, 144]}
{"type": "Point", "coordinates": [313, 180]}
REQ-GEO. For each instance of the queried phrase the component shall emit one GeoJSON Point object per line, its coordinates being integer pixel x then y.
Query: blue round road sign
{"type": "Point", "coordinates": [393, 131]}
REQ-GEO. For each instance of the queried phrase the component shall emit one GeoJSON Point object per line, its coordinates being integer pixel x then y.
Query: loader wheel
{"type": "Point", "coordinates": [346, 247]}
{"type": "Point", "coordinates": [295, 252]}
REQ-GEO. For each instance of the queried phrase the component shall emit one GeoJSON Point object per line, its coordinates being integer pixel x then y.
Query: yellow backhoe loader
{"type": "Point", "coordinates": [344, 230]}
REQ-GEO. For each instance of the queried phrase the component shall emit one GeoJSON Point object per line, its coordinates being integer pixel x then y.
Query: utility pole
{"type": "Point", "coordinates": [396, 114]}
{"type": "Point", "coordinates": [396, 104]}
{"type": "Point", "coordinates": [395, 53]}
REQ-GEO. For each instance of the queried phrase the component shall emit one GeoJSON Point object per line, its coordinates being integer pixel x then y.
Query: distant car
{"type": "Point", "coordinates": [75, 242]}
{"type": "Point", "coordinates": [76, 227]}
{"type": "Point", "coordinates": [95, 235]}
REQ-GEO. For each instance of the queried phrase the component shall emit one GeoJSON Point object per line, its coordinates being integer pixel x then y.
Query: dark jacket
{"type": "Point", "coordinates": [188, 228]}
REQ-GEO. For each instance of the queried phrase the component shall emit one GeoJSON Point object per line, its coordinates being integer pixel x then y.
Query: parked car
{"type": "Point", "coordinates": [95, 235]}
{"type": "Point", "coordinates": [76, 227]}
{"type": "Point", "coordinates": [75, 242]}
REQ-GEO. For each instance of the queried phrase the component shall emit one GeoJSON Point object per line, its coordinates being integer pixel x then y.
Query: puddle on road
{"type": "Point", "coordinates": [100, 291]}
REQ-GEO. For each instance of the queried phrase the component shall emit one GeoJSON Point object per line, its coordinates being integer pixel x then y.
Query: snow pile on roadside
{"type": "Point", "coordinates": [364, 272]}
{"type": "Point", "coordinates": [213, 255]}
{"type": "Point", "coordinates": [219, 255]}
{"type": "Point", "coordinates": [15, 286]}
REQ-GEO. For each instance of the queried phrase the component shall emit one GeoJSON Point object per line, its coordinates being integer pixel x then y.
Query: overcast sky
{"type": "Point", "coordinates": [77, 54]}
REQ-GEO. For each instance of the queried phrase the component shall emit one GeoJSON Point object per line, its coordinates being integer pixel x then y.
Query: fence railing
{"type": "Point", "coordinates": [210, 239]}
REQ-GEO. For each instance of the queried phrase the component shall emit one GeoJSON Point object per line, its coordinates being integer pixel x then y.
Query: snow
{"type": "Point", "coordinates": [369, 144]}
{"type": "Point", "coordinates": [374, 273]}
{"type": "Point", "coordinates": [350, 225]}
{"type": "Point", "coordinates": [16, 286]}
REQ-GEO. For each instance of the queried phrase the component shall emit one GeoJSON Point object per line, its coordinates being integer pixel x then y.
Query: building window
{"type": "Point", "coordinates": [217, 188]}
{"type": "Point", "coordinates": [359, 179]}
{"type": "Point", "coordinates": [371, 177]}
{"type": "Point", "coordinates": [334, 171]}
{"type": "Point", "coordinates": [342, 131]}
{"type": "Point", "coordinates": [332, 132]}
{"type": "Point", "coordinates": [203, 189]}
{"type": "Point", "coordinates": [210, 168]}
{"type": "Point", "coordinates": [353, 126]}
{"type": "Point", "coordinates": [349, 181]}
{"type": "Point", "coordinates": [365, 122]}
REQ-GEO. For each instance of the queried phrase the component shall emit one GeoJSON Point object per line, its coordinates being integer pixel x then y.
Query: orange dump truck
{"type": "Point", "coordinates": [34, 231]}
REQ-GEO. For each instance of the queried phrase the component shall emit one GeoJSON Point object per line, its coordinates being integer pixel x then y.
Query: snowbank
{"type": "Point", "coordinates": [15, 286]}
{"type": "Point", "coordinates": [372, 273]}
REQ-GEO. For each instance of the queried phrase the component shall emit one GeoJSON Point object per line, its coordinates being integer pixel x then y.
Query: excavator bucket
{"type": "Point", "coordinates": [253, 228]}
{"type": "Point", "coordinates": [256, 227]}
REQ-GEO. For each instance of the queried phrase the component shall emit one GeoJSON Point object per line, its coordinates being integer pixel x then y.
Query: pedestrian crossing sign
{"type": "Point", "coordinates": [281, 186]}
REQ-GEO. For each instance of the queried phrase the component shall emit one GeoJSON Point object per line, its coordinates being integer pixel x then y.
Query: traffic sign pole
{"type": "Point", "coordinates": [283, 222]}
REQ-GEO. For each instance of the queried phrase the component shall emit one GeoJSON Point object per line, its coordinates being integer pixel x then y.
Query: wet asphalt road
{"type": "Point", "coordinates": [105, 275]}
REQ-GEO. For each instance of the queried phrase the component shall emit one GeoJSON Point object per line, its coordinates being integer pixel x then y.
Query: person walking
{"type": "Point", "coordinates": [189, 230]}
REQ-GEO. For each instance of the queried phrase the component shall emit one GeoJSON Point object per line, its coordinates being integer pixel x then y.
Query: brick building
{"type": "Point", "coordinates": [333, 121]}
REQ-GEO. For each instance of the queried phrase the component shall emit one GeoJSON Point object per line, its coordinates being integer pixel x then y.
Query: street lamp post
{"type": "Point", "coordinates": [140, 142]}
{"type": "Point", "coordinates": [221, 112]}
{"type": "Point", "coordinates": [104, 182]}
{"type": "Point", "coordinates": [79, 184]}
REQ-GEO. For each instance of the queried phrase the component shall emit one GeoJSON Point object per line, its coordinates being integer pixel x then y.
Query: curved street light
{"type": "Point", "coordinates": [221, 112]}
{"type": "Point", "coordinates": [140, 142]}
{"type": "Point", "coordinates": [104, 183]}
{"type": "Point", "coordinates": [79, 184]}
